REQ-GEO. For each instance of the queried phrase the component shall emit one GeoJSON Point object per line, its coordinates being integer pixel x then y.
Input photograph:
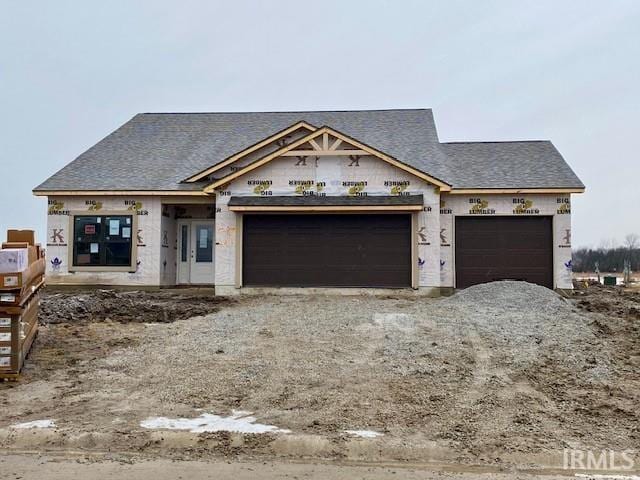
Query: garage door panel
{"type": "Point", "coordinates": [527, 241]}
{"type": "Point", "coordinates": [327, 250]}
{"type": "Point", "coordinates": [499, 248]}
{"type": "Point", "coordinates": [525, 259]}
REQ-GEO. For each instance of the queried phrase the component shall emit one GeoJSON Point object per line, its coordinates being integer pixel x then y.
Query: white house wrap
{"type": "Point", "coordinates": [166, 198]}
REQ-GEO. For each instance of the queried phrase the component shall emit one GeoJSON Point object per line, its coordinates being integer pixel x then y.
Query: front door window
{"type": "Point", "coordinates": [204, 243]}
{"type": "Point", "coordinates": [184, 243]}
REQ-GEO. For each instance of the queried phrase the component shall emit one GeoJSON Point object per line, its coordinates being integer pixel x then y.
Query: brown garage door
{"type": "Point", "coordinates": [327, 250]}
{"type": "Point", "coordinates": [499, 248]}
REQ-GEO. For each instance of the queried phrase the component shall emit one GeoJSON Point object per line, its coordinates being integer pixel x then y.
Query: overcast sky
{"type": "Point", "coordinates": [569, 71]}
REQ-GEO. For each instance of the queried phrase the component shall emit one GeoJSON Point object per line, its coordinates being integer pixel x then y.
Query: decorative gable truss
{"type": "Point", "coordinates": [268, 145]}
{"type": "Point", "coordinates": [326, 141]}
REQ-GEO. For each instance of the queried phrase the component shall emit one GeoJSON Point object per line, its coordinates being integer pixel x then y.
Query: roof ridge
{"type": "Point", "coordinates": [495, 141]}
{"type": "Point", "coordinates": [292, 111]}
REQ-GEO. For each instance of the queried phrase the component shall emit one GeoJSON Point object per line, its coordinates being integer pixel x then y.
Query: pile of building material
{"type": "Point", "coordinates": [22, 267]}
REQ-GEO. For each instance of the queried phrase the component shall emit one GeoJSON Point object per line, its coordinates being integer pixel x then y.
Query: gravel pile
{"type": "Point", "coordinates": [510, 296]}
{"type": "Point", "coordinates": [521, 318]}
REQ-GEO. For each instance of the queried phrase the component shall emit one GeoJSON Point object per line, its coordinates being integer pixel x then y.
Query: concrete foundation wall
{"type": "Point", "coordinates": [419, 292]}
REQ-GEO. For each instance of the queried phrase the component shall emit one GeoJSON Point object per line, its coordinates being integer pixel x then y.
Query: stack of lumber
{"type": "Point", "coordinates": [22, 267]}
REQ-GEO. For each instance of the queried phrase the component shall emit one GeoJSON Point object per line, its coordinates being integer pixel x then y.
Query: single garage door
{"type": "Point", "coordinates": [327, 250]}
{"type": "Point", "coordinates": [501, 248]}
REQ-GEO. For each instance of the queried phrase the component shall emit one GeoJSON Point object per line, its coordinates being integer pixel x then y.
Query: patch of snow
{"type": "Point", "coordinates": [394, 320]}
{"type": "Point", "coordinates": [36, 424]}
{"type": "Point", "coordinates": [364, 433]}
{"type": "Point", "coordinates": [238, 421]}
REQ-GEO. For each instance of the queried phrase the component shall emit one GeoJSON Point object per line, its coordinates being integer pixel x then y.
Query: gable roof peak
{"type": "Point", "coordinates": [361, 149]}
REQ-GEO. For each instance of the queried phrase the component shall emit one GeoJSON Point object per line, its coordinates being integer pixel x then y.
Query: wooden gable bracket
{"type": "Point", "coordinates": [321, 148]}
{"type": "Point", "coordinates": [280, 139]}
{"type": "Point", "coordinates": [316, 144]}
{"type": "Point", "coordinates": [335, 145]}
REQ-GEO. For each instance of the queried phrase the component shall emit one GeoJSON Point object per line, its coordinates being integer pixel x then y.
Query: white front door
{"type": "Point", "coordinates": [196, 249]}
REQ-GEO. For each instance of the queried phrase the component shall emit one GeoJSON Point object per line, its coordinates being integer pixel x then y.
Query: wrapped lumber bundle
{"type": "Point", "coordinates": [22, 267]}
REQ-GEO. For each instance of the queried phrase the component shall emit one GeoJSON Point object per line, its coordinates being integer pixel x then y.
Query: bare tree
{"type": "Point", "coordinates": [632, 241]}
{"type": "Point", "coordinates": [607, 244]}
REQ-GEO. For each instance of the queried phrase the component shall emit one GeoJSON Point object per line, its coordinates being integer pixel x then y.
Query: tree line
{"type": "Point", "coordinates": [609, 259]}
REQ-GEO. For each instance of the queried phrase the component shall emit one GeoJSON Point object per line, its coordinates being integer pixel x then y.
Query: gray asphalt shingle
{"type": "Point", "coordinates": [157, 151]}
{"type": "Point", "coordinates": [524, 164]}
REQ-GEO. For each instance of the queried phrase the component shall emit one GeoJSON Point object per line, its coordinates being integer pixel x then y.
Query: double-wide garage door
{"type": "Point", "coordinates": [501, 248]}
{"type": "Point", "coordinates": [321, 250]}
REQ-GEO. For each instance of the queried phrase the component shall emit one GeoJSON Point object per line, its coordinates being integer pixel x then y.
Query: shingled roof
{"type": "Point", "coordinates": [157, 151]}
{"type": "Point", "coordinates": [523, 164]}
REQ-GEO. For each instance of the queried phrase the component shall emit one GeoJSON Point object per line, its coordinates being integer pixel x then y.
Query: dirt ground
{"type": "Point", "coordinates": [101, 305]}
{"type": "Point", "coordinates": [499, 374]}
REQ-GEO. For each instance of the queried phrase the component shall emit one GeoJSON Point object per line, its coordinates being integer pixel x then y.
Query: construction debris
{"type": "Point", "coordinates": [157, 306]}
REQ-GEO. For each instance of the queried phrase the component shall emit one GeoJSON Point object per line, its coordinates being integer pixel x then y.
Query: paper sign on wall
{"type": "Point", "coordinates": [5, 337]}
{"type": "Point", "coordinates": [126, 232]}
{"type": "Point", "coordinates": [94, 248]}
{"type": "Point", "coordinates": [7, 297]}
{"type": "Point", "coordinates": [114, 227]}
{"type": "Point", "coordinates": [5, 350]}
{"type": "Point", "coordinates": [5, 361]}
{"type": "Point", "coordinates": [5, 322]}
